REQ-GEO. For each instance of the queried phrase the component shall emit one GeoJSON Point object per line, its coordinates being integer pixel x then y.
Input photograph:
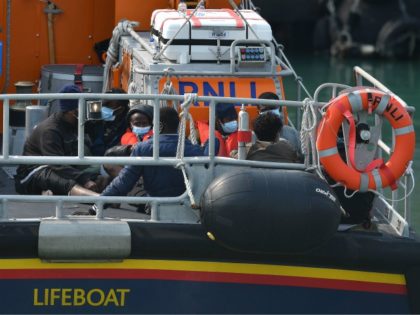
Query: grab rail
{"type": "Point", "coordinates": [81, 159]}
{"type": "Point", "coordinates": [393, 209]}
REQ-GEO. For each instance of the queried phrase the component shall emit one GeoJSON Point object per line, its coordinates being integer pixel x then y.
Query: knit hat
{"type": "Point", "coordinates": [225, 110]}
{"type": "Point", "coordinates": [144, 109]}
{"type": "Point", "coordinates": [69, 104]}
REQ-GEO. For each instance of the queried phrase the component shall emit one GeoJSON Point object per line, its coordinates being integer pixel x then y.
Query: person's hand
{"type": "Point", "coordinates": [91, 185]}
{"type": "Point", "coordinates": [101, 182]}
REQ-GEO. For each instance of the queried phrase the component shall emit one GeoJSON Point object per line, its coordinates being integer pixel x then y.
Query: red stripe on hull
{"type": "Point", "coordinates": [129, 274]}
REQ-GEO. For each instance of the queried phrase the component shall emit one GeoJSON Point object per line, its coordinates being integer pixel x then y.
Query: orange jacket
{"type": "Point", "coordinates": [226, 144]}
{"type": "Point", "coordinates": [131, 138]}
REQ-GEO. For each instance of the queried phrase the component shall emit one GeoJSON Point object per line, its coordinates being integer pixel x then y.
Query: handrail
{"type": "Point", "coordinates": [361, 74]}
{"type": "Point", "coordinates": [281, 73]}
{"type": "Point", "coordinates": [149, 97]}
{"type": "Point", "coordinates": [190, 162]}
{"type": "Point", "coordinates": [81, 159]}
{"type": "Point", "coordinates": [82, 97]}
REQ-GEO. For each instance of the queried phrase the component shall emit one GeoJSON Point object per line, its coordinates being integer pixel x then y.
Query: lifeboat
{"type": "Point", "coordinates": [246, 236]}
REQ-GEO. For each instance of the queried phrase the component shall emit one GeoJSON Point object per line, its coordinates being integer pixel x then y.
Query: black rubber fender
{"type": "Point", "coordinates": [270, 211]}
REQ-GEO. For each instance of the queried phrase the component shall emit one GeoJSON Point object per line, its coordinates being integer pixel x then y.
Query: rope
{"type": "Point", "coordinates": [121, 29]}
{"type": "Point", "coordinates": [168, 89]}
{"type": "Point", "coordinates": [409, 171]}
{"type": "Point", "coordinates": [133, 89]}
{"type": "Point", "coordinates": [307, 137]}
{"type": "Point", "coordinates": [188, 100]}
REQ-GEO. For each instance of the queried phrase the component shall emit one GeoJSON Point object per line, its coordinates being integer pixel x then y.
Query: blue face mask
{"type": "Point", "coordinates": [230, 127]}
{"type": "Point", "coordinates": [140, 131]}
{"type": "Point", "coordinates": [107, 114]}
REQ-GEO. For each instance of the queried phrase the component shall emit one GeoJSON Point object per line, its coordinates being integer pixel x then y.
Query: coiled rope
{"type": "Point", "coordinates": [122, 28]}
{"type": "Point", "coordinates": [189, 99]}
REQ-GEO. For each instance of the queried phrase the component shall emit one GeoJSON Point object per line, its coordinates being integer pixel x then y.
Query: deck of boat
{"type": "Point", "coordinates": [39, 210]}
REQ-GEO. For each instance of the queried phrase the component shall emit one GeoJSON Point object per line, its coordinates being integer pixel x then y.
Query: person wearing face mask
{"type": "Point", "coordinates": [57, 136]}
{"type": "Point", "coordinates": [226, 129]}
{"type": "Point", "coordinates": [107, 133]}
{"type": "Point", "coordinates": [140, 124]}
{"type": "Point", "coordinates": [287, 132]}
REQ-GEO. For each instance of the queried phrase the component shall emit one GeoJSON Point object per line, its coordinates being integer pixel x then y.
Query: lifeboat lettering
{"type": "Point", "coordinates": [215, 89]}
{"type": "Point", "coordinates": [376, 101]}
{"type": "Point", "coordinates": [392, 110]}
{"type": "Point", "coordinates": [229, 87]}
{"type": "Point", "coordinates": [80, 297]}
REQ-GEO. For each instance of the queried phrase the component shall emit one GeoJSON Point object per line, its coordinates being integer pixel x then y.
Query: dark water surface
{"type": "Point", "coordinates": [400, 76]}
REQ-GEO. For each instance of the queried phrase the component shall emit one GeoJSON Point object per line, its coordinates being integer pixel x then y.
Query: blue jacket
{"type": "Point", "coordinates": [158, 180]}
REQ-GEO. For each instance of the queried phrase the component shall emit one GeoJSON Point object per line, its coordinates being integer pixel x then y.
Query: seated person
{"type": "Point", "coordinates": [140, 121]}
{"type": "Point", "coordinates": [287, 132]}
{"type": "Point", "coordinates": [57, 136]}
{"type": "Point", "coordinates": [140, 124]}
{"type": "Point", "coordinates": [269, 147]}
{"type": "Point", "coordinates": [226, 129]}
{"type": "Point", "coordinates": [107, 132]}
{"type": "Point", "coordinates": [359, 206]}
{"type": "Point", "coordinates": [158, 180]}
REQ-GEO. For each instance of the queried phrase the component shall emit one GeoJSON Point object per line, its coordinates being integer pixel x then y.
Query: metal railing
{"type": "Point", "coordinates": [361, 76]}
{"type": "Point", "coordinates": [211, 160]}
{"type": "Point", "coordinates": [82, 159]}
{"type": "Point", "coordinates": [397, 209]}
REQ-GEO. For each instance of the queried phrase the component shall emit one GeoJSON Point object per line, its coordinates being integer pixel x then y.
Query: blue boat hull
{"type": "Point", "coordinates": [175, 268]}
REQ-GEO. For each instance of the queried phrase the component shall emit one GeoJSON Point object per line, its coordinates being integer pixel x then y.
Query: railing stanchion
{"type": "Point", "coordinates": [59, 210]}
{"type": "Point", "coordinates": [154, 215]}
{"type": "Point", "coordinates": [212, 124]}
{"type": "Point", "coordinates": [81, 129]}
{"type": "Point", "coordinates": [212, 138]}
{"type": "Point", "coordinates": [156, 125]}
{"type": "Point", "coordinates": [3, 209]}
{"type": "Point", "coordinates": [99, 210]}
{"type": "Point", "coordinates": [407, 201]}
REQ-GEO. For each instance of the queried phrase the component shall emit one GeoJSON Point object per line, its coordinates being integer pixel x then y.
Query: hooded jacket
{"type": "Point", "coordinates": [158, 180]}
{"type": "Point", "coordinates": [281, 151]}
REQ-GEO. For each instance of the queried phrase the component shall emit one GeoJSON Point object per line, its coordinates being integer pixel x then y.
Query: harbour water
{"type": "Point", "coordinates": [400, 76]}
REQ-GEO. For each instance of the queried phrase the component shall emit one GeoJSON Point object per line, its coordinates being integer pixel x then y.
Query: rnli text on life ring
{"type": "Point", "coordinates": [373, 101]}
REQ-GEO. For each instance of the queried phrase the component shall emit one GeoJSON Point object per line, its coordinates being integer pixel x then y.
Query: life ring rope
{"type": "Point", "coordinates": [377, 174]}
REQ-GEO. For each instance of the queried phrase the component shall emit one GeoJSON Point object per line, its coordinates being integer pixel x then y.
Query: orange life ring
{"type": "Point", "coordinates": [382, 174]}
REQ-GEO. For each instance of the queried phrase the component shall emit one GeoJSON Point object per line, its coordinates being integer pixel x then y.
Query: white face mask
{"type": "Point", "coordinates": [230, 126]}
{"type": "Point", "coordinates": [140, 131]}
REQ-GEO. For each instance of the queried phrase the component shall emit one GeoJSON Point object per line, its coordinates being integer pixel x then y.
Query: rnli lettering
{"type": "Point", "coordinates": [393, 111]}
{"type": "Point", "coordinates": [223, 87]}
{"type": "Point", "coordinates": [220, 88]}
{"type": "Point", "coordinates": [376, 101]}
{"type": "Point", "coordinates": [80, 297]}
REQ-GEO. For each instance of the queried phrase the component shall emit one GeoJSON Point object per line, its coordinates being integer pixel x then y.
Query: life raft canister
{"type": "Point", "coordinates": [378, 174]}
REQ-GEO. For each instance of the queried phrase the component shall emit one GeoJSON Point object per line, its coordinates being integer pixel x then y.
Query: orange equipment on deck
{"type": "Point", "coordinates": [79, 25]}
